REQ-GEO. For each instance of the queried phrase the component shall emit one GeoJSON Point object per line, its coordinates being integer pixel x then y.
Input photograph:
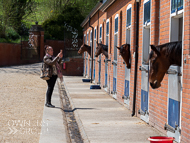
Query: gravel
{"type": "Point", "coordinates": [22, 98]}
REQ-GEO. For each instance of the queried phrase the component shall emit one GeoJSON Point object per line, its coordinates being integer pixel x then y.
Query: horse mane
{"type": "Point", "coordinates": [104, 47]}
{"type": "Point", "coordinates": [171, 47]}
{"type": "Point", "coordinates": [87, 46]}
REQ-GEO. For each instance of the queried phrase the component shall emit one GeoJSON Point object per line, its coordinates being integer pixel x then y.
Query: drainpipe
{"type": "Point", "coordinates": [91, 51]}
{"type": "Point", "coordinates": [136, 56]}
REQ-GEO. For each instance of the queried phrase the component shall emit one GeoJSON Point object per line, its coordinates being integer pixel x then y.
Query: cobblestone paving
{"type": "Point", "coordinates": [22, 95]}
{"type": "Point", "coordinates": [73, 129]}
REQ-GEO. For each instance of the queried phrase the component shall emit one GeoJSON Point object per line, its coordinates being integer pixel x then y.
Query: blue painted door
{"type": "Point", "coordinates": [90, 67]}
{"type": "Point", "coordinates": [99, 72]}
{"type": "Point", "coordinates": [127, 78]}
{"type": "Point", "coordinates": [84, 65]}
{"type": "Point", "coordinates": [106, 73]}
{"type": "Point", "coordinates": [174, 97]}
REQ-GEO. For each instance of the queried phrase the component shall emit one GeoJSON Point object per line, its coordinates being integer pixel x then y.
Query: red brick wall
{"type": "Point", "coordinates": [10, 54]}
{"type": "Point", "coordinates": [74, 67]}
{"type": "Point", "coordinates": [160, 34]}
{"type": "Point", "coordinates": [185, 119]}
{"type": "Point", "coordinates": [57, 45]}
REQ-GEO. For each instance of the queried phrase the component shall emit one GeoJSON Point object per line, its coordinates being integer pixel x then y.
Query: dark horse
{"type": "Point", "coordinates": [125, 53]}
{"type": "Point", "coordinates": [84, 48]}
{"type": "Point", "coordinates": [101, 49]}
{"type": "Point", "coordinates": [161, 57]}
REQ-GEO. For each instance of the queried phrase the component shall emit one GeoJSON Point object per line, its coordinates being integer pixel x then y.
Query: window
{"type": "Point", "coordinates": [107, 32]}
{"type": "Point", "coordinates": [90, 36]}
{"type": "Point", "coordinates": [84, 38]}
{"type": "Point", "coordinates": [176, 5]}
{"type": "Point", "coordinates": [128, 17]}
{"type": "Point", "coordinates": [100, 31]}
{"type": "Point", "coordinates": [87, 38]}
{"type": "Point", "coordinates": [147, 12]}
{"type": "Point", "coordinates": [116, 24]}
{"type": "Point", "coordinates": [95, 33]}
{"type": "Point", "coordinates": [116, 37]}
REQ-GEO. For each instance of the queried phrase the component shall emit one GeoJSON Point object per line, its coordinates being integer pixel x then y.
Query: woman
{"type": "Point", "coordinates": [52, 63]}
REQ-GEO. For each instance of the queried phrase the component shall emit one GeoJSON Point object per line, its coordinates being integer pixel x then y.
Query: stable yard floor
{"type": "Point", "coordinates": [22, 97]}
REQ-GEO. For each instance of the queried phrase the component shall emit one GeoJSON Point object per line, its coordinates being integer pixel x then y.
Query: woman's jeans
{"type": "Point", "coordinates": [51, 84]}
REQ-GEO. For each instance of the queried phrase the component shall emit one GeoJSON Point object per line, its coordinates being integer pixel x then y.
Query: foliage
{"type": "Point", "coordinates": [17, 16]}
{"type": "Point", "coordinates": [56, 26]}
{"type": "Point", "coordinates": [15, 11]}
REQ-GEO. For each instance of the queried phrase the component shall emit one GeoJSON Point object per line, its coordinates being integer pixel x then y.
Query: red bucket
{"type": "Point", "coordinates": [161, 139]}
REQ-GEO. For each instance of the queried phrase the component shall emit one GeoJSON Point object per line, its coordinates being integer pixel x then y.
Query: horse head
{"type": "Point", "coordinates": [84, 48]}
{"type": "Point", "coordinates": [159, 64]}
{"type": "Point", "coordinates": [101, 49]}
{"type": "Point", "coordinates": [124, 51]}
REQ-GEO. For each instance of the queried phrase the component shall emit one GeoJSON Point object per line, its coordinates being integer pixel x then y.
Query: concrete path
{"type": "Point", "coordinates": [53, 129]}
{"type": "Point", "coordinates": [102, 119]}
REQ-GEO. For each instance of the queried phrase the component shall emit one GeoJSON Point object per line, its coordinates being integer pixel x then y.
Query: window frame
{"type": "Point", "coordinates": [176, 8]}
{"type": "Point", "coordinates": [107, 31]}
{"type": "Point", "coordinates": [116, 17]}
{"type": "Point", "coordinates": [146, 23]}
{"type": "Point", "coordinates": [129, 7]}
{"type": "Point", "coordinates": [84, 39]}
{"type": "Point", "coordinates": [95, 32]}
{"type": "Point", "coordinates": [100, 34]}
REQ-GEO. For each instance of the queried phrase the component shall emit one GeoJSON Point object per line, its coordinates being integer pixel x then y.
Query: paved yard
{"type": "Point", "coordinates": [22, 97]}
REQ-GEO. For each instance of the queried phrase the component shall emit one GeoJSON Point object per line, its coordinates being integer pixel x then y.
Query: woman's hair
{"type": "Point", "coordinates": [45, 47]}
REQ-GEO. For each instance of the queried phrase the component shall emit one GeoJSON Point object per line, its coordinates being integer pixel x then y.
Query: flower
{"type": "Point", "coordinates": [51, 11]}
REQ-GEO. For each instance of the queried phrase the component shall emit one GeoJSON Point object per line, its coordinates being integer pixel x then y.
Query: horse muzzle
{"type": "Point", "coordinates": [155, 84]}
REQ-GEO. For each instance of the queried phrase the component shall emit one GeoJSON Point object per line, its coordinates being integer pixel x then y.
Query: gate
{"type": "Point", "coordinates": [174, 92]}
{"type": "Point", "coordinates": [115, 58]}
{"type": "Point", "coordinates": [30, 49]}
{"type": "Point", "coordinates": [128, 41]}
{"type": "Point", "coordinates": [99, 72]}
{"type": "Point", "coordinates": [145, 67]}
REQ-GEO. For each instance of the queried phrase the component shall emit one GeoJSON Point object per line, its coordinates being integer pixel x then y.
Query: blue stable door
{"type": "Point", "coordinates": [126, 87]}
{"type": "Point", "coordinates": [174, 92]}
{"type": "Point", "coordinates": [99, 72]}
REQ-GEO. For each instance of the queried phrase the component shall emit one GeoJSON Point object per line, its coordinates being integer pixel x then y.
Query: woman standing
{"type": "Point", "coordinates": [52, 63]}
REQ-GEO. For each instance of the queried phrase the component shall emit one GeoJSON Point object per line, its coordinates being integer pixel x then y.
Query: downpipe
{"type": "Point", "coordinates": [91, 51]}
{"type": "Point", "coordinates": [136, 58]}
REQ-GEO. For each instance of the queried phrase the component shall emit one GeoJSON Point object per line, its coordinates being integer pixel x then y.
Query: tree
{"type": "Point", "coordinates": [15, 11]}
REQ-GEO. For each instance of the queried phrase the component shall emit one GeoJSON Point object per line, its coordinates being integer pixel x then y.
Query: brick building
{"type": "Point", "coordinates": [141, 23]}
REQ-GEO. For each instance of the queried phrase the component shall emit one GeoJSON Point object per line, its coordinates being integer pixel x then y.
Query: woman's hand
{"type": "Point", "coordinates": [60, 55]}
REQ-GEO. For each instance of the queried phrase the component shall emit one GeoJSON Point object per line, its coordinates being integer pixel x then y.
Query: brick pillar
{"type": "Point", "coordinates": [42, 51]}
{"type": "Point", "coordinates": [185, 119]}
{"type": "Point", "coordinates": [36, 38]}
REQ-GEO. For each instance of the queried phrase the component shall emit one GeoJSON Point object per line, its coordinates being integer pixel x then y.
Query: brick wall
{"type": "Point", "coordinates": [74, 67]}
{"type": "Point", "coordinates": [160, 34]}
{"type": "Point", "coordinates": [185, 119]}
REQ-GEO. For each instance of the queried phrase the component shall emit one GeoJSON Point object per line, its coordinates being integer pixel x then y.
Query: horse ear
{"type": "Point", "coordinates": [118, 47]}
{"type": "Point", "coordinates": [155, 50]}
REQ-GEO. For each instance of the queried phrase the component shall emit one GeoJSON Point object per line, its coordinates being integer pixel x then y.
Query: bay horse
{"type": "Point", "coordinates": [101, 49]}
{"type": "Point", "coordinates": [125, 53]}
{"type": "Point", "coordinates": [161, 57]}
{"type": "Point", "coordinates": [84, 48]}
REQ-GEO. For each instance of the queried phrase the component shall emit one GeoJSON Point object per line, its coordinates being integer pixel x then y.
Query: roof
{"type": "Point", "coordinates": [101, 5]}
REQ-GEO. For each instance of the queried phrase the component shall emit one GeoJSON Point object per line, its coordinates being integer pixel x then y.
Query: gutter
{"type": "Point", "coordinates": [92, 13]}
{"type": "Point", "coordinates": [107, 4]}
{"type": "Point", "coordinates": [136, 58]}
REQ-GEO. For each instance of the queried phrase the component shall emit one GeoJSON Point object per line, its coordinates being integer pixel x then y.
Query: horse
{"type": "Point", "coordinates": [84, 48]}
{"type": "Point", "coordinates": [101, 49]}
{"type": "Point", "coordinates": [125, 53]}
{"type": "Point", "coordinates": [161, 57]}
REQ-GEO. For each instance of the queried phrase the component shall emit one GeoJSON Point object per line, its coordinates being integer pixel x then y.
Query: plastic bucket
{"type": "Point", "coordinates": [161, 139]}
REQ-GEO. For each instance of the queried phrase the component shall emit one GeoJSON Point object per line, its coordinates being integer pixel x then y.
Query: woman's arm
{"type": "Point", "coordinates": [50, 62]}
